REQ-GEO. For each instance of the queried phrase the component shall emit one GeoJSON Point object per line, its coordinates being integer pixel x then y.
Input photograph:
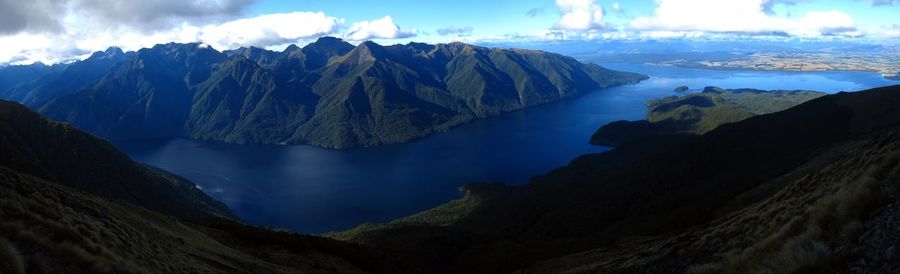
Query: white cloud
{"type": "Point", "coordinates": [741, 16]}
{"type": "Point", "coordinates": [48, 15]}
{"type": "Point", "coordinates": [579, 15]}
{"type": "Point", "coordinates": [892, 31]}
{"type": "Point", "coordinates": [271, 29]}
{"type": "Point", "coordinates": [383, 28]}
{"type": "Point", "coordinates": [82, 35]}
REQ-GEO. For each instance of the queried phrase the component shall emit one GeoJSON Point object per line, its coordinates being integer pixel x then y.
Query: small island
{"type": "Point", "coordinates": [682, 88]}
{"type": "Point", "coordinates": [700, 113]}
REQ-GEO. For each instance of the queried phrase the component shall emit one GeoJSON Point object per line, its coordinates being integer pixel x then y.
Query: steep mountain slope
{"type": "Point", "coordinates": [71, 203]}
{"type": "Point", "coordinates": [329, 93]}
{"type": "Point", "coordinates": [147, 96]}
{"type": "Point", "coordinates": [701, 112]}
{"type": "Point", "coordinates": [827, 163]}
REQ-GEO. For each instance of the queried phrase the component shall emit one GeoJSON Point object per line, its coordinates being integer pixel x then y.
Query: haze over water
{"type": "Point", "coordinates": [314, 190]}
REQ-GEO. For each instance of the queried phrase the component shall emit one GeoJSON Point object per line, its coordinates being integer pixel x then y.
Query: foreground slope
{"type": "Point", "coordinates": [328, 93]}
{"type": "Point", "coordinates": [795, 188]}
{"type": "Point", "coordinates": [71, 203]}
{"type": "Point", "coordinates": [57, 152]}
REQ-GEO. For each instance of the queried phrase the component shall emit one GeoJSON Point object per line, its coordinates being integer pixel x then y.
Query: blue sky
{"type": "Point", "coordinates": [498, 18]}
{"type": "Point", "coordinates": [59, 30]}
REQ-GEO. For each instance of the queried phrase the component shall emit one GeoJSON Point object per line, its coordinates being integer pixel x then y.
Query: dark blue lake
{"type": "Point", "coordinates": [314, 190]}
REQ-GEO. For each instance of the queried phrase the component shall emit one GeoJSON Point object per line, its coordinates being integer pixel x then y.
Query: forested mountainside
{"type": "Point", "coordinates": [328, 93]}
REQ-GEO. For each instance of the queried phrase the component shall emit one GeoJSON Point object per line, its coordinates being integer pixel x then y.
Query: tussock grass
{"type": "Point", "coordinates": [804, 243]}
{"type": "Point", "coordinates": [10, 260]}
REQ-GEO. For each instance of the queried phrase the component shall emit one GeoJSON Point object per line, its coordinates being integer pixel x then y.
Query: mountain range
{"type": "Point", "coordinates": [328, 93]}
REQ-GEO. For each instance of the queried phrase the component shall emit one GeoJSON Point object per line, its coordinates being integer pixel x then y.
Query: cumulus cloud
{"type": "Point", "coordinates": [271, 29]}
{"type": "Point", "coordinates": [51, 15]}
{"type": "Point", "coordinates": [150, 15]}
{"type": "Point", "coordinates": [36, 15]}
{"type": "Point", "coordinates": [454, 30]}
{"type": "Point", "coordinates": [383, 28]}
{"type": "Point", "coordinates": [52, 31]}
{"type": "Point", "coordinates": [741, 17]}
{"type": "Point", "coordinates": [579, 15]}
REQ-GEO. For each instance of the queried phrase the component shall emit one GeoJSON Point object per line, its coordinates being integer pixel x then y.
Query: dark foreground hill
{"type": "Point", "coordinates": [71, 203]}
{"type": "Point", "coordinates": [328, 93]}
{"type": "Point", "coordinates": [809, 189]}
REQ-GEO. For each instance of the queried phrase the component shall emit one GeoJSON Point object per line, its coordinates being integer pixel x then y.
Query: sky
{"type": "Point", "coordinates": [52, 31]}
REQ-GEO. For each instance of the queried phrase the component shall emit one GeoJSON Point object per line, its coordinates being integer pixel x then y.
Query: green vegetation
{"type": "Point", "coordinates": [329, 93]}
{"type": "Point", "coordinates": [700, 113]}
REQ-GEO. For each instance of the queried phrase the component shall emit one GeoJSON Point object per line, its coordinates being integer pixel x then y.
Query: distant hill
{"type": "Point", "coordinates": [811, 189]}
{"type": "Point", "coordinates": [328, 93]}
{"type": "Point", "coordinates": [700, 113]}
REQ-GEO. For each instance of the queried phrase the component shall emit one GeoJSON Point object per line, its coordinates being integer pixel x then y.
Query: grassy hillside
{"type": "Point", "coordinates": [49, 228]}
{"type": "Point", "coordinates": [700, 113]}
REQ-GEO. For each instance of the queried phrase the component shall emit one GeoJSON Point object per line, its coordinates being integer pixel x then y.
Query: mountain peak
{"type": "Point", "coordinates": [367, 51]}
{"type": "Point", "coordinates": [291, 48]}
{"type": "Point", "coordinates": [328, 44]}
{"type": "Point", "coordinates": [111, 52]}
{"type": "Point", "coordinates": [329, 39]}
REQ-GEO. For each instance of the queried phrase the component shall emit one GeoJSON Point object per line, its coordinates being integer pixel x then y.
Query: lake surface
{"type": "Point", "coordinates": [314, 190]}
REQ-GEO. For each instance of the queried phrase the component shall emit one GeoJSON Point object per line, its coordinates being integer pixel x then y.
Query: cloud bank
{"type": "Point", "coordinates": [53, 31]}
{"type": "Point", "coordinates": [271, 29]}
{"type": "Point", "coordinates": [751, 17]}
